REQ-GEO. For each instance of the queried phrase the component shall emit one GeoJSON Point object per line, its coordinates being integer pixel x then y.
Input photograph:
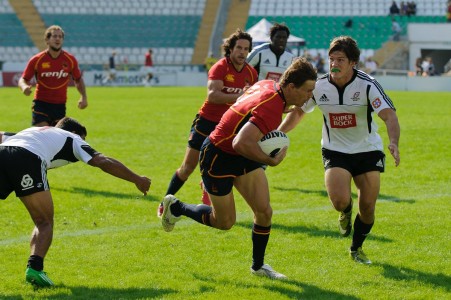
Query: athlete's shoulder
{"type": "Point", "coordinates": [361, 75]}
{"type": "Point", "coordinates": [257, 50]}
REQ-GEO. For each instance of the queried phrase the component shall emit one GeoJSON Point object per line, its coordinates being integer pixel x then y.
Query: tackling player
{"type": "Point", "coordinates": [24, 160]}
{"type": "Point", "coordinates": [351, 147]}
{"type": "Point", "coordinates": [52, 68]}
{"type": "Point", "coordinates": [227, 80]}
{"type": "Point", "coordinates": [231, 157]}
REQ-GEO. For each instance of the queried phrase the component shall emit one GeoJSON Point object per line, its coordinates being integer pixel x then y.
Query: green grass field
{"type": "Point", "coordinates": [109, 244]}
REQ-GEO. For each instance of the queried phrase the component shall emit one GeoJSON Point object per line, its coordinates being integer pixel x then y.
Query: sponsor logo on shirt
{"type": "Point", "coordinates": [343, 120]}
{"type": "Point", "coordinates": [267, 61]}
{"type": "Point", "coordinates": [46, 65]}
{"type": "Point", "coordinates": [230, 78]}
{"type": "Point", "coordinates": [27, 182]}
{"type": "Point", "coordinates": [323, 98]}
{"type": "Point", "coordinates": [356, 96]}
{"type": "Point", "coordinates": [60, 74]}
{"type": "Point", "coordinates": [380, 164]}
{"type": "Point", "coordinates": [273, 76]}
{"type": "Point", "coordinates": [376, 103]}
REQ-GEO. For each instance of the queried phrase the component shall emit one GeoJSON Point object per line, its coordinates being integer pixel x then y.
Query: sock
{"type": "Point", "coordinates": [199, 213]}
{"type": "Point", "coordinates": [260, 237]}
{"type": "Point", "coordinates": [175, 184]}
{"type": "Point", "coordinates": [348, 208]}
{"type": "Point", "coordinates": [361, 230]}
{"type": "Point", "coordinates": [36, 262]}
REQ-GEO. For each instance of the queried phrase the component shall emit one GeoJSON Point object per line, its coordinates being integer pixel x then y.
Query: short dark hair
{"type": "Point", "coordinates": [72, 125]}
{"type": "Point", "coordinates": [278, 27]}
{"type": "Point", "coordinates": [230, 42]}
{"type": "Point", "coordinates": [298, 72]}
{"type": "Point", "coordinates": [347, 45]}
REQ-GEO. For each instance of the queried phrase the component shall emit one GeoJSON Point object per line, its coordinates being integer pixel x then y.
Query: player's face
{"type": "Point", "coordinates": [279, 40]}
{"type": "Point", "coordinates": [239, 52]}
{"type": "Point", "coordinates": [341, 68]}
{"type": "Point", "coordinates": [55, 41]}
{"type": "Point", "coordinates": [298, 96]}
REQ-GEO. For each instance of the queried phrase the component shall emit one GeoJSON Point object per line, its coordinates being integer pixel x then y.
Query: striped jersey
{"type": "Point", "coordinates": [348, 124]}
{"type": "Point", "coordinates": [55, 146]}
{"type": "Point", "coordinates": [267, 63]}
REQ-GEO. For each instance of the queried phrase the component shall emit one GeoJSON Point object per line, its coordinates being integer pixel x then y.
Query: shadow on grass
{"type": "Point", "coordinates": [312, 231]}
{"type": "Point", "coordinates": [80, 292]}
{"type": "Point", "coordinates": [323, 193]}
{"type": "Point", "coordinates": [96, 193]}
{"type": "Point", "coordinates": [402, 273]}
{"type": "Point", "coordinates": [291, 289]}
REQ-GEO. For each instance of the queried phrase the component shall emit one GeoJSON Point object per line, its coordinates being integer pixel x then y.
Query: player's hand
{"type": "Point", "coordinates": [82, 103]}
{"type": "Point", "coordinates": [394, 151]}
{"type": "Point", "coordinates": [27, 91]}
{"type": "Point", "coordinates": [278, 158]}
{"type": "Point", "coordinates": [143, 184]}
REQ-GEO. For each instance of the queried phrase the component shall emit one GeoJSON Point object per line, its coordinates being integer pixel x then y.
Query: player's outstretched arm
{"type": "Point", "coordinates": [292, 119]}
{"type": "Point", "coordinates": [25, 86]}
{"type": "Point", "coordinates": [83, 102]}
{"type": "Point", "coordinates": [116, 168]}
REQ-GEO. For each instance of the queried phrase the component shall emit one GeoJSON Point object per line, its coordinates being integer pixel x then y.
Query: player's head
{"type": "Point", "coordinates": [72, 125]}
{"type": "Point", "coordinates": [230, 42]}
{"type": "Point", "coordinates": [279, 34]}
{"type": "Point", "coordinates": [298, 72]}
{"type": "Point", "coordinates": [54, 37]}
{"type": "Point", "coordinates": [298, 82]}
{"type": "Point", "coordinates": [348, 46]}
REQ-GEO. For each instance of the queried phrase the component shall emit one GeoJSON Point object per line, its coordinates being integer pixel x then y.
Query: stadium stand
{"type": "Point", "coordinates": [94, 28]}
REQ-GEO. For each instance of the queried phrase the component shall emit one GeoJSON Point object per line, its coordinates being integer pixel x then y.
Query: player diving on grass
{"type": "Point", "coordinates": [25, 158]}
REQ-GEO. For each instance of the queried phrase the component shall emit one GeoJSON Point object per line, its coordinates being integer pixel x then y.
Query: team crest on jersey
{"type": "Point", "coordinates": [65, 66]}
{"type": "Point", "coordinates": [230, 78]}
{"type": "Point", "coordinates": [356, 96]}
{"type": "Point", "coordinates": [46, 65]}
{"type": "Point", "coordinates": [376, 103]}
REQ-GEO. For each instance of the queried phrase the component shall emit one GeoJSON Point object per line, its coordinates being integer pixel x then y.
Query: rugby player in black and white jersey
{"type": "Point", "coordinates": [351, 147]}
{"type": "Point", "coordinates": [272, 59]}
{"type": "Point", "coordinates": [25, 158]}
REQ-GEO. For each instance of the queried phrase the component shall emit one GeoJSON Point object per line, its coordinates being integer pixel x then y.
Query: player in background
{"type": "Point", "coordinates": [272, 59]}
{"type": "Point", "coordinates": [148, 66]}
{"type": "Point", "coordinates": [231, 157]}
{"type": "Point", "coordinates": [351, 147]}
{"type": "Point", "coordinates": [111, 69]}
{"type": "Point", "coordinates": [24, 160]}
{"type": "Point", "coordinates": [227, 80]}
{"type": "Point", "coordinates": [52, 68]}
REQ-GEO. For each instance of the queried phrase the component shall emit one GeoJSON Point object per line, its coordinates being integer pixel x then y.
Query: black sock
{"type": "Point", "coordinates": [348, 208]}
{"type": "Point", "coordinates": [361, 230]}
{"type": "Point", "coordinates": [199, 213]}
{"type": "Point", "coordinates": [260, 237]}
{"type": "Point", "coordinates": [36, 262]}
{"type": "Point", "coordinates": [174, 185]}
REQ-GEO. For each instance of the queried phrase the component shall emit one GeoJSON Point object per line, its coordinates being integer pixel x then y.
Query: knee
{"type": "Point", "coordinates": [367, 209]}
{"type": "Point", "coordinates": [225, 224]}
{"type": "Point", "coordinates": [340, 203]}
{"type": "Point", "coordinates": [264, 215]}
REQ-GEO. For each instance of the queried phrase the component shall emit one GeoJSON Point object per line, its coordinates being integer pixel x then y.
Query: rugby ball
{"type": "Point", "coordinates": [272, 142]}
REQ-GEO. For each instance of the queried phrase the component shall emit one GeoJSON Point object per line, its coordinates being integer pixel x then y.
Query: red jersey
{"type": "Point", "coordinates": [262, 104]}
{"type": "Point", "coordinates": [52, 75]}
{"type": "Point", "coordinates": [234, 83]}
{"type": "Point", "coordinates": [148, 60]}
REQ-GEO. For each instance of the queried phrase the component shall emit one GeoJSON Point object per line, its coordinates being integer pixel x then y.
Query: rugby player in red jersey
{"type": "Point", "coordinates": [231, 157]}
{"type": "Point", "coordinates": [52, 68]}
{"type": "Point", "coordinates": [227, 80]}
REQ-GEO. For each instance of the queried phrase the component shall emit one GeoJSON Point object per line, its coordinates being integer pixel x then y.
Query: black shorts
{"type": "Point", "coordinates": [21, 171]}
{"type": "Point", "coordinates": [47, 112]}
{"type": "Point", "coordinates": [219, 169]}
{"type": "Point", "coordinates": [357, 163]}
{"type": "Point", "coordinates": [200, 130]}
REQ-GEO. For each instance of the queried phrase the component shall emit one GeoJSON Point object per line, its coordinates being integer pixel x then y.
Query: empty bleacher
{"type": "Point", "coordinates": [95, 28]}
